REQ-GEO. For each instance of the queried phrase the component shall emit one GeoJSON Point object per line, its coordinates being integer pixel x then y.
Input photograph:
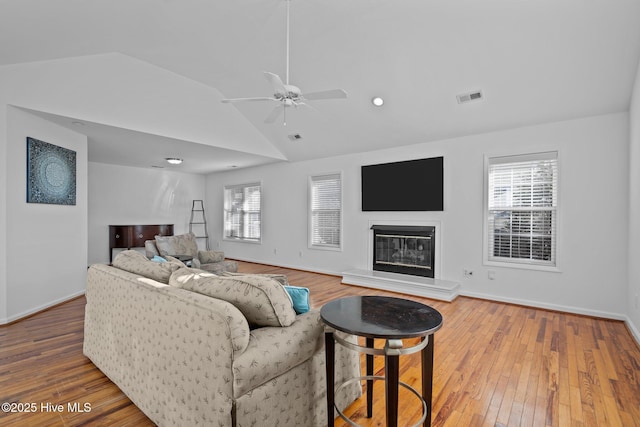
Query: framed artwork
{"type": "Point", "coordinates": [51, 173]}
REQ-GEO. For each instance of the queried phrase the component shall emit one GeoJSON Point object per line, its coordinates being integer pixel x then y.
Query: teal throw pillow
{"type": "Point", "coordinates": [157, 258]}
{"type": "Point", "coordinates": [299, 297]}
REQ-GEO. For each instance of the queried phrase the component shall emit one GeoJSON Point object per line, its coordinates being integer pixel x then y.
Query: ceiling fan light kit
{"type": "Point", "coordinates": [288, 95]}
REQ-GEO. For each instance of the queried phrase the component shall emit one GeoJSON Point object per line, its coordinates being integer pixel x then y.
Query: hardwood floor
{"type": "Point", "coordinates": [495, 365]}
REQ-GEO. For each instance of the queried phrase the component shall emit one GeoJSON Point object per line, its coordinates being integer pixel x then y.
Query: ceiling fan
{"type": "Point", "coordinates": [288, 95]}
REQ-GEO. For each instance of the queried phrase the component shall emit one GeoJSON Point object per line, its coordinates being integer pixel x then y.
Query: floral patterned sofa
{"type": "Point", "coordinates": [193, 348]}
{"type": "Point", "coordinates": [186, 244]}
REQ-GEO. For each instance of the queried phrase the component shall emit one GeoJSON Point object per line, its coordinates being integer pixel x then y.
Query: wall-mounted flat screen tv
{"type": "Point", "coordinates": [413, 185]}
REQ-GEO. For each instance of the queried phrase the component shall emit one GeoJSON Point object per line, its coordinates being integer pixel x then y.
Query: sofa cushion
{"type": "Point", "coordinates": [137, 263]}
{"type": "Point", "coordinates": [279, 277]}
{"type": "Point", "coordinates": [181, 277]}
{"type": "Point", "coordinates": [182, 244]}
{"type": "Point", "coordinates": [220, 267]}
{"type": "Point", "coordinates": [150, 248]}
{"type": "Point", "coordinates": [262, 300]}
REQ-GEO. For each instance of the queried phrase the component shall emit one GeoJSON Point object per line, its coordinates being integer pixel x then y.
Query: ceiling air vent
{"type": "Point", "coordinates": [470, 96]}
{"type": "Point", "coordinates": [295, 136]}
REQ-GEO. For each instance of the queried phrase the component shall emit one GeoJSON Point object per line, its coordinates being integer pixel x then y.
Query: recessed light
{"type": "Point", "coordinates": [377, 101]}
{"type": "Point", "coordinates": [173, 160]}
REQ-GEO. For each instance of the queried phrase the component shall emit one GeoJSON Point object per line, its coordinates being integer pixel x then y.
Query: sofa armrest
{"type": "Point", "coordinates": [274, 350]}
{"type": "Point", "coordinates": [208, 257]}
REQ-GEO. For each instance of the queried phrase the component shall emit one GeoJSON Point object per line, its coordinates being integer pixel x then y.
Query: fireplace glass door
{"type": "Point", "coordinates": [404, 251]}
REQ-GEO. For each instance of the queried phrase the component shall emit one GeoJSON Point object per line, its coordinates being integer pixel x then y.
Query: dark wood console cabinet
{"type": "Point", "coordinates": [134, 236]}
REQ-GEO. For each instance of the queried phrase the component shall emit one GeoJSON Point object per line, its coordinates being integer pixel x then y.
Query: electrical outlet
{"type": "Point", "coordinates": [300, 253]}
{"type": "Point", "coordinates": [275, 251]}
{"type": "Point", "coordinates": [491, 274]}
{"type": "Point", "coordinates": [467, 273]}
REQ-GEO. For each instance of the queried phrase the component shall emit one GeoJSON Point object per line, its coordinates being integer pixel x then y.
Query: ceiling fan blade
{"type": "Point", "coordinates": [326, 94]}
{"type": "Point", "coordinates": [307, 106]}
{"type": "Point", "coordinates": [262, 98]}
{"type": "Point", "coordinates": [276, 82]}
{"type": "Point", "coordinates": [274, 114]}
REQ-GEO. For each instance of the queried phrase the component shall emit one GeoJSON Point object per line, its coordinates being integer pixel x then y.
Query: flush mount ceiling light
{"type": "Point", "coordinates": [173, 160]}
{"type": "Point", "coordinates": [377, 101]}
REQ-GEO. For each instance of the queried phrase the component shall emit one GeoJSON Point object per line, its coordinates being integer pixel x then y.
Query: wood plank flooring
{"type": "Point", "coordinates": [495, 365]}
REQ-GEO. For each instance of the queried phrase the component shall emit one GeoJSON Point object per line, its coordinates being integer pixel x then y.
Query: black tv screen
{"type": "Point", "coordinates": [413, 185]}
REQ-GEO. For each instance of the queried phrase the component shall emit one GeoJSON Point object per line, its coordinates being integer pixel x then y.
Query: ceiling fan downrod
{"type": "Point", "coordinates": [287, 48]}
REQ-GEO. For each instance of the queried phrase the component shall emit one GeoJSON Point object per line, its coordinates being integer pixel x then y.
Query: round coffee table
{"type": "Point", "coordinates": [391, 319]}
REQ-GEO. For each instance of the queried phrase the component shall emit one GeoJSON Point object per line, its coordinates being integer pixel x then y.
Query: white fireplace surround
{"type": "Point", "coordinates": [436, 287]}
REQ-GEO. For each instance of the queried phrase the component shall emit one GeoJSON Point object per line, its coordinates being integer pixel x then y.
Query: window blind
{"type": "Point", "coordinates": [242, 204]}
{"type": "Point", "coordinates": [522, 208]}
{"type": "Point", "coordinates": [326, 210]}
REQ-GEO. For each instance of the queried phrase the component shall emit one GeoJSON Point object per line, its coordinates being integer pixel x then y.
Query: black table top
{"type": "Point", "coordinates": [381, 317]}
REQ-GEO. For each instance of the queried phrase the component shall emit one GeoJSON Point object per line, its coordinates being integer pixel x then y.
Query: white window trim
{"type": "Point", "coordinates": [241, 239]}
{"type": "Point", "coordinates": [310, 245]}
{"type": "Point", "coordinates": [516, 264]}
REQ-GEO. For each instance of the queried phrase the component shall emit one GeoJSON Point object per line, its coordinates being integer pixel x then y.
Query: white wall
{"type": "Point", "coordinates": [593, 188]}
{"type": "Point", "coordinates": [120, 195]}
{"type": "Point", "coordinates": [3, 221]}
{"type": "Point", "coordinates": [633, 295]}
{"type": "Point", "coordinates": [47, 244]}
{"type": "Point", "coordinates": [112, 89]}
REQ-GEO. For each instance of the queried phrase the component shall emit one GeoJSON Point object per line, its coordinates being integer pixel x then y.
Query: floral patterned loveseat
{"type": "Point", "coordinates": [192, 348]}
{"type": "Point", "coordinates": [186, 244]}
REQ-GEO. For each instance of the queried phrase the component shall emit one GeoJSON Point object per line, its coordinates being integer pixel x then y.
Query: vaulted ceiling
{"type": "Point", "coordinates": [535, 61]}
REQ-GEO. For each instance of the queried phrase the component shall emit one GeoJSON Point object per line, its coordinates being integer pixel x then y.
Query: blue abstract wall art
{"type": "Point", "coordinates": [51, 173]}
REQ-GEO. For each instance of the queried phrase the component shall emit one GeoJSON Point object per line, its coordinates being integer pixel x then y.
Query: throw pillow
{"type": "Point", "coordinates": [262, 300]}
{"type": "Point", "coordinates": [299, 298]}
{"type": "Point", "coordinates": [137, 263]}
{"type": "Point", "coordinates": [182, 244]}
{"type": "Point", "coordinates": [187, 274]}
{"type": "Point", "coordinates": [157, 258]}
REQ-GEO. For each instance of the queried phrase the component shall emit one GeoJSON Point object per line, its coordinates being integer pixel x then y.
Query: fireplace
{"type": "Point", "coordinates": [404, 249]}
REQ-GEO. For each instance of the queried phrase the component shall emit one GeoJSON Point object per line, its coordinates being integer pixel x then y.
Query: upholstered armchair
{"type": "Point", "coordinates": [186, 245]}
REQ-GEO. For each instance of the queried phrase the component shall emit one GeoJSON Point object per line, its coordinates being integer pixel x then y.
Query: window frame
{"type": "Point", "coordinates": [310, 229]}
{"type": "Point", "coordinates": [224, 212]}
{"type": "Point", "coordinates": [522, 263]}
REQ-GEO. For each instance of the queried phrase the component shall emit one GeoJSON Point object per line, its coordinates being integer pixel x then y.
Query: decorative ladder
{"type": "Point", "coordinates": [199, 219]}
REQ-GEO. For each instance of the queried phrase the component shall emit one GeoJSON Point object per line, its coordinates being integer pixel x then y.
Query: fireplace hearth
{"type": "Point", "coordinates": [404, 249]}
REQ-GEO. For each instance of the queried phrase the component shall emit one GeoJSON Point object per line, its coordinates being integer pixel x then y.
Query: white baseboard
{"type": "Point", "coordinates": [634, 331]}
{"type": "Point", "coordinates": [42, 307]}
{"type": "Point", "coordinates": [291, 266]}
{"type": "Point", "coordinates": [554, 307]}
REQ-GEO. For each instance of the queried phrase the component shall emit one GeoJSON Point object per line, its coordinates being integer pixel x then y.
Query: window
{"type": "Point", "coordinates": [325, 222]}
{"type": "Point", "coordinates": [521, 215]}
{"type": "Point", "coordinates": [242, 212]}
